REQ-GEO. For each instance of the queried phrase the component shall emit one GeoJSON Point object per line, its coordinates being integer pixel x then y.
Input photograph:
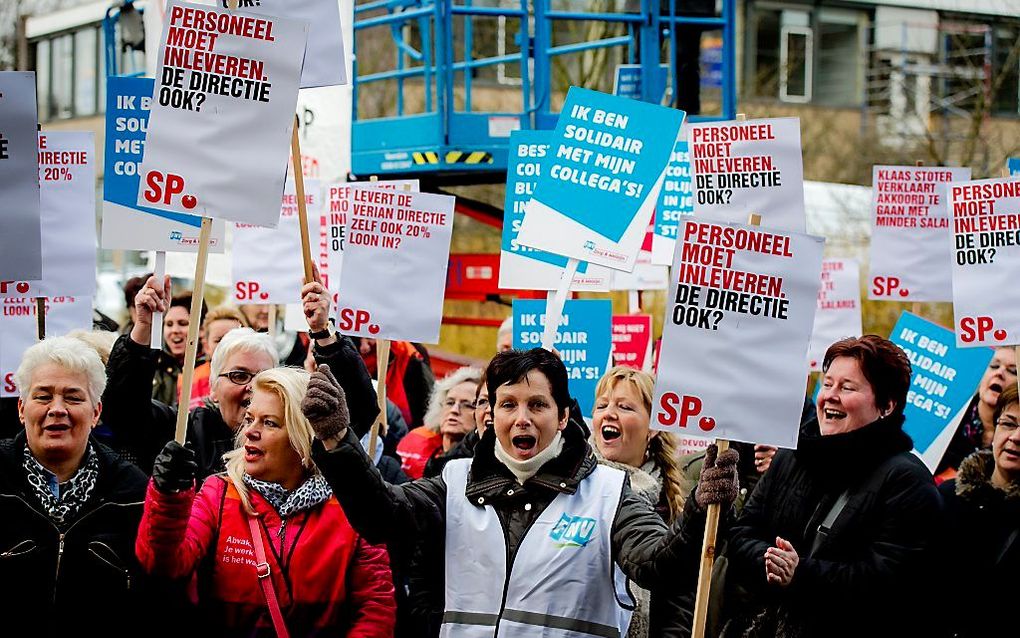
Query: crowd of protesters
{"type": "Point", "coordinates": [489, 507]}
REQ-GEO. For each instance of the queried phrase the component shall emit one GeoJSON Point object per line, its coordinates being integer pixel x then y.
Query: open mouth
{"type": "Point", "coordinates": [995, 387]}
{"type": "Point", "coordinates": [610, 432]}
{"type": "Point", "coordinates": [57, 427]}
{"type": "Point", "coordinates": [1011, 454]}
{"type": "Point", "coordinates": [833, 415]}
{"type": "Point", "coordinates": [252, 453]}
{"type": "Point", "coordinates": [524, 442]}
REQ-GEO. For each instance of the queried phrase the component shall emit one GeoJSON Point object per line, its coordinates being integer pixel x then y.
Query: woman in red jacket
{"type": "Point", "coordinates": [315, 575]}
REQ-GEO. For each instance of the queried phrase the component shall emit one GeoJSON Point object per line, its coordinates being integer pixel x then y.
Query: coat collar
{"type": "Point", "coordinates": [974, 480]}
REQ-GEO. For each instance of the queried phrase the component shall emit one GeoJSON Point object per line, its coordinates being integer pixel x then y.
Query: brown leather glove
{"type": "Point", "coordinates": [717, 484]}
{"type": "Point", "coordinates": [325, 405]}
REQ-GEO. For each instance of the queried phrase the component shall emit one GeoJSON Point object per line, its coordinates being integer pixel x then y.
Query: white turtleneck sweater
{"type": "Point", "coordinates": [524, 470]}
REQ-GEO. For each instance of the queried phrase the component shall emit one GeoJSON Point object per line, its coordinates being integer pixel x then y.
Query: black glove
{"type": "Point", "coordinates": [717, 484]}
{"type": "Point", "coordinates": [174, 469]}
{"type": "Point", "coordinates": [325, 405]}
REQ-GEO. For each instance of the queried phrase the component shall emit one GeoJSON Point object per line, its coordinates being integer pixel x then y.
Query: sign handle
{"type": "Point", "coordinates": [40, 318]}
{"type": "Point", "coordinates": [554, 304]}
{"type": "Point", "coordinates": [192, 348]}
{"type": "Point", "coordinates": [271, 322]}
{"type": "Point", "coordinates": [382, 363]}
{"type": "Point", "coordinates": [633, 301]}
{"type": "Point", "coordinates": [156, 338]}
{"type": "Point", "coordinates": [299, 186]}
{"type": "Point", "coordinates": [711, 531]}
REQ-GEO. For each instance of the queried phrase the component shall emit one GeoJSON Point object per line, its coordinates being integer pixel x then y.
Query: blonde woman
{"type": "Point", "coordinates": [624, 440]}
{"type": "Point", "coordinates": [322, 575]}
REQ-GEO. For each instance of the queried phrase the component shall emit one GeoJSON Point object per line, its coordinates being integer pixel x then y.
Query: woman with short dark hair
{"type": "Point", "coordinates": [539, 537]}
{"type": "Point", "coordinates": [835, 538]}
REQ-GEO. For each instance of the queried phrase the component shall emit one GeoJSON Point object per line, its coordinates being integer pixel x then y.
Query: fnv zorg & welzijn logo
{"type": "Point", "coordinates": [573, 531]}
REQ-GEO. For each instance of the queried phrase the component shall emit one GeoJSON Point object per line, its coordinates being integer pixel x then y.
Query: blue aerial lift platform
{"type": "Point", "coordinates": [436, 130]}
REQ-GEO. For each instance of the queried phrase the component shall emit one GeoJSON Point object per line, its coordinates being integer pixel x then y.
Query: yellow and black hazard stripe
{"type": "Point", "coordinates": [428, 157]}
{"type": "Point", "coordinates": [464, 157]}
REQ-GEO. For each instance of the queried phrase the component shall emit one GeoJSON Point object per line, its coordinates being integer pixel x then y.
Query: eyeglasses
{"type": "Point", "coordinates": [239, 377]}
{"type": "Point", "coordinates": [482, 402]}
{"type": "Point", "coordinates": [462, 404]}
{"type": "Point", "coordinates": [1007, 424]}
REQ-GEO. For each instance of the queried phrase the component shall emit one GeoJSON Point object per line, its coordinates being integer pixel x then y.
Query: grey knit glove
{"type": "Point", "coordinates": [325, 405]}
{"type": "Point", "coordinates": [717, 484]}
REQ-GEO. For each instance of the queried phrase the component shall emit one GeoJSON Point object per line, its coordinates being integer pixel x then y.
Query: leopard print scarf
{"type": "Point", "coordinates": [74, 493]}
{"type": "Point", "coordinates": [314, 491]}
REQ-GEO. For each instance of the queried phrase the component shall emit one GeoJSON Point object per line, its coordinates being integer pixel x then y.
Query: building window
{"type": "Point", "coordinates": [42, 77]}
{"type": "Point", "coordinates": [1006, 70]}
{"type": "Point", "coordinates": [795, 55]}
{"type": "Point", "coordinates": [839, 60]}
{"type": "Point", "coordinates": [85, 72]}
{"type": "Point", "coordinates": [61, 77]}
{"type": "Point", "coordinates": [70, 73]}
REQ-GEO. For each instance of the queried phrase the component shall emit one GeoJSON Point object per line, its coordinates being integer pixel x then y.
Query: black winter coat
{"type": "Point", "coordinates": [82, 580]}
{"type": "Point", "coordinates": [982, 551]}
{"type": "Point", "coordinates": [141, 426]}
{"type": "Point", "coordinates": [403, 515]}
{"type": "Point", "coordinates": [863, 578]}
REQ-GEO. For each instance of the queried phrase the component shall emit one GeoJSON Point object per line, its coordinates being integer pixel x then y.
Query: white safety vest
{"type": "Point", "coordinates": [563, 582]}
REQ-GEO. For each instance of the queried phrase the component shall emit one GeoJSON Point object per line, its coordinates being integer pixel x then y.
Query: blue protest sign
{"type": "Point", "coordinates": [628, 81]}
{"type": "Point", "coordinates": [943, 380]}
{"type": "Point", "coordinates": [584, 340]}
{"type": "Point", "coordinates": [1013, 164]}
{"type": "Point", "coordinates": [125, 224]}
{"type": "Point", "coordinates": [675, 202]}
{"type": "Point", "coordinates": [522, 267]}
{"type": "Point", "coordinates": [600, 180]}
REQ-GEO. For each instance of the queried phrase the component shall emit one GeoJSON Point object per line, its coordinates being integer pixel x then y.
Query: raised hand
{"type": "Point", "coordinates": [325, 406]}
{"type": "Point", "coordinates": [717, 484]}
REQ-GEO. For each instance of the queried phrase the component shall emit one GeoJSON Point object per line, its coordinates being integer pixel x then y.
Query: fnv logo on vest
{"type": "Point", "coordinates": [573, 531]}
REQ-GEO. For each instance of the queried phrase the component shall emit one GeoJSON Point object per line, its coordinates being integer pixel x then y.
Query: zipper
{"type": "Point", "coordinates": [56, 576]}
{"type": "Point", "coordinates": [509, 569]}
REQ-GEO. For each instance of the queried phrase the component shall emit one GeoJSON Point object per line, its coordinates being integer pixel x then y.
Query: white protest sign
{"type": "Point", "coordinates": [748, 167]}
{"type": "Point", "coordinates": [839, 308]}
{"type": "Point", "coordinates": [18, 329]}
{"type": "Point", "coordinates": [222, 113]}
{"type": "Point", "coordinates": [600, 180]}
{"type": "Point", "coordinates": [395, 259]}
{"type": "Point", "coordinates": [324, 51]}
{"type": "Point", "coordinates": [910, 244]}
{"type": "Point", "coordinates": [67, 212]}
{"type": "Point", "coordinates": [337, 203]}
{"type": "Point", "coordinates": [266, 263]}
{"type": "Point", "coordinates": [986, 261]}
{"type": "Point", "coordinates": [646, 274]}
{"type": "Point", "coordinates": [20, 241]}
{"type": "Point", "coordinates": [741, 298]}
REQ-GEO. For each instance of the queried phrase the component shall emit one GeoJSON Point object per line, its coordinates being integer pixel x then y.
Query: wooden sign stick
{"type": "Point", "coordinates": [382, 363]}
{"type": "Point", "coordinates": [40, 318]}
{"type": "Point", "coordinates": [299, 186]}
{"type": "Point", "coordinates": [192, 347]}
{"type": "Point", "coordinates": [708, 548]}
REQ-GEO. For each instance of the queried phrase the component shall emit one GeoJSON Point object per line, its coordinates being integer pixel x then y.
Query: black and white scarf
{"type": "Point", "coordinates": [74, 493]}
{"type": "Point", "coordinates": [313, 492]}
